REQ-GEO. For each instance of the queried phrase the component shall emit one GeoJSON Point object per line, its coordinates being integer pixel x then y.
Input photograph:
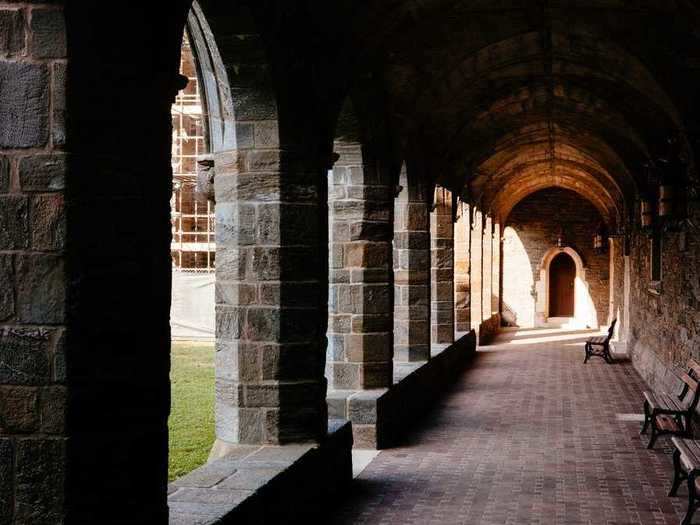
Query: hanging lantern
{"type": "Point", "coordinates": [665, 200]}
{"type": "Point", "coordinates": [647, 214]}
{"type": "Point", "coordinates": [560, 238]}
{"type": "Point", "coordinates": [598, 241]}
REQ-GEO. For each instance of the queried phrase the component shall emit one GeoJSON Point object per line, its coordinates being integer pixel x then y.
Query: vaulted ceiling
{"type": "Point", "coordinates": [509, 97]}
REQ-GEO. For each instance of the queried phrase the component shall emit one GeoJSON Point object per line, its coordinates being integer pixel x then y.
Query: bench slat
{"type": "Point", "coordinates": [694, 367]}
{"type": "Point", "coordinates": [664, 401]}
{"type": "Point", "coordinates": [690, 452]}
{"type": "Point", "coordinates": [692, 383]}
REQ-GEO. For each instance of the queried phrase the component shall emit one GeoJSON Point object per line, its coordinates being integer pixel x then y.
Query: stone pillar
{"type": "Point", "coordinates": [487, 272]}
{"type": "Point", "coordinates": [476, 267]}
{"type": "Point", "coordinates": [411, 273]}
{"type": "Point", "coordinates": [360, 302]}
{"type": "Point", "coordinates": [462, 248]}
{"type": "Point", "coordinates": [271, 313]}
{"type": "Point", "coordinates": [34, 276]}
{"type": "Point", "coordinates": [496, 269]}
{"type": "Point", "coordinates": [442, 328]}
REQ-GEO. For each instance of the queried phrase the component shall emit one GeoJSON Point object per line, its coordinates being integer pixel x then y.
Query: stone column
{"type": "Point", "coordinates": [476, 267]}
{"type": "Point", "coordinates": [271, 315]}
{"type": "Point", "coordinates": [462, 248]}
{"type": "Point", "coordinates": [411, 273]}
{"type": "Point", "coordinates": [442, 269]}
{"type": "Point", "coordinates": [487, 274]}
{"type": "Point", "coordinates": [496, 268]}
{"type": "Point", "coordinates": [360, 335]}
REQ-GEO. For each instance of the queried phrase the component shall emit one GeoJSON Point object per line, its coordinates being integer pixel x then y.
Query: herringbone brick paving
{"type": "Point", "coordinates": [529, 435]}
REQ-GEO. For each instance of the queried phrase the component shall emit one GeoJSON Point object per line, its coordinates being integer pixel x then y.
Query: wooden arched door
{"type": "Point", "coordinates": [562, 276]}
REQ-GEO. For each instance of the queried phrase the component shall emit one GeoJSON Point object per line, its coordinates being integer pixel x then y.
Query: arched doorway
{"type": "Point", "coordinates": [583, 314]}
{"type": "Point", "coordinates": [562, 278]}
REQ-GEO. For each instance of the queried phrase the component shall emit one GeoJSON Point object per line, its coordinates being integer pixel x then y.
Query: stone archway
{"type": "Point", "coordinates": [585, 315]}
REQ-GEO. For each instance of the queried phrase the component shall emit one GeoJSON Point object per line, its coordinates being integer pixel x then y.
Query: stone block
{"type": "Point", "coordinates": [48, 34]}
{"type": "Point", "coordinates": [238, 361]}
{"type": "Point", "coordinates": [365, 323]}
{"type": "Point", "coordinates": [370, 231]}
{"type": "Point", "coordinates": [336, 256]}
{"type": "Point", "coordinates": [339, 276]}
{"type": "Point", "coordinates": [12, 33]}
{"type": "Point", "coordinates": [337, 401]}
{"type": "Point", "coordinates": [370, 275]}
{"type": "Point", "coordinates": [375, 298]}
{"type": "Point", "coordinates": [14, 227]}
{"type": "Point", "coordinates": [7, 488]}
{"type": "Point", "coordinates": [368, 347]}
{"type": "Point", "coordinates": [229, 322]}
{"type": "Point", "coordinates": [213, 473]}
{"type": "Point", "coordinates": [7, 293]}
{"type": "Point", "coordinates": [363, 407]}
{"type": "Point", "coordinates": [266, 134]}
{"type": "Point", "coordinates": [24, 113]}
{"type": "Point", "coordinates": [378, 194]}
{"type": "Point", "coordinates": [4, 174]}
{"type": "Point", "coordinates": [53, 409]}
{"type": "Point", "coordinates": [48, 222]}
{"type": "Point", "coordinates": [232, 263]}
{"type": "Point", "coordinates": [340, 324]}
{"type": "Point", "coordinates": [58, 125]}
{"type": "Point", "coordinates": [19, 410]}
{"type": "Point", "coordinates": [284, 263]}
{"type": "Point", "coordinates": [340, 232]}
{"type": "Point", "coordinates": [221, 498]}
{"type": "Point", "coordinates": [336, 348]}
{"type": "Point", "coordinates": [345, 376]}
{"type": "Point", "coordinates": [364, 436]}
{"type": "Point", "coordinates": [235, 224]}
{"type": "Point", "coordinates": [287, 224]}
{"type": "Point", "coordinates": [43, 173]}
{"type": "Point", "coordinates": [367, 254]}
{"type": "Point", "coordinates": [250, 426]}
{"type": "Point", "coordinates": [289, 294]}
{"type": "Point", "coordinates": [376, 375]}
{"type": "Point", "coordinates": [232, 293]}
{"type": "Point", "coordinates": [414, 353]}
{"type": "Point", "coordinates": [40, 478]}
{"type": "Point", "coordinates": [24, 356]}
{"type": "Point", "coordinates": [303, 424]}
{"type": "Point", "coordinates": [245, 135]}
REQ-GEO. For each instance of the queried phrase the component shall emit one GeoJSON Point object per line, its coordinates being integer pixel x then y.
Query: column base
{"type": "Point", "coordinates": [381, 417]}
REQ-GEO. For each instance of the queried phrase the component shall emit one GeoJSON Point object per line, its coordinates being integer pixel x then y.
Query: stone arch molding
{"type": "Point", "coordinates": [585, 315]}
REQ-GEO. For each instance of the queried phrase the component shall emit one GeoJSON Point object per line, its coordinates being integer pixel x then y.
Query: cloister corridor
{"type": "Point", "coordinates": [528, 435]}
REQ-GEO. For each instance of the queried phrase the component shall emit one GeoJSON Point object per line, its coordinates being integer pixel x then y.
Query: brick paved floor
{"type": "Point", "coordinates": [528, 435]}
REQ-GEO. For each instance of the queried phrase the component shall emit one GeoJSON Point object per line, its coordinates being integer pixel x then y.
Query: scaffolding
{"type": "Point", "coordinates": [193, 247]}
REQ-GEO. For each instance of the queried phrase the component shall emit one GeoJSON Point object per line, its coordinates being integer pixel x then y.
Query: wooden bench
{"type": "Point", "coordinates": [672, 413]}
{"type": "Point", "coordinates": [600, 346]}
{"type": "Point", "coordinates": [686, 466]}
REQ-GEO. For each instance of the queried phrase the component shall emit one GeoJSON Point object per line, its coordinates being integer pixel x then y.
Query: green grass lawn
{"type": "Point", "coordinates": [192, 412]}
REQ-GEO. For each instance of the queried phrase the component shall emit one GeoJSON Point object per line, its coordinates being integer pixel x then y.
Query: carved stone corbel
{"type": "Point", "coordinates": [205, 178]}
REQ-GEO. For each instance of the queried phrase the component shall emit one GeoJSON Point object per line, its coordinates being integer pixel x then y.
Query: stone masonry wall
{"type": "Point", "coordinates": [32, 262]}
{"type": "Point", "coordinates": [531, 230]}
{"type": "Point", "coordinates": [665, 326]}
